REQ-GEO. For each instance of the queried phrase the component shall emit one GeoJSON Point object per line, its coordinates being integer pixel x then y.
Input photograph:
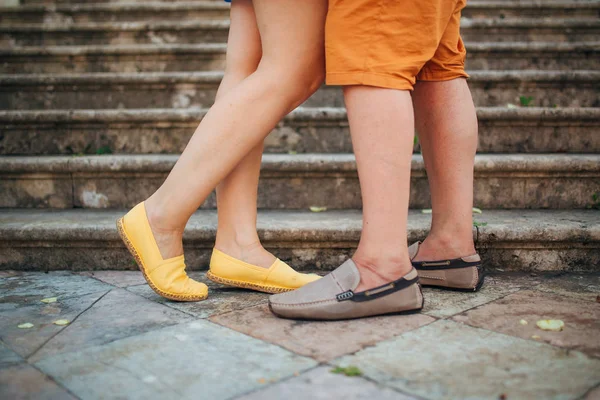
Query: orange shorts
{"type": "Point", "coordinates": [393, 43]}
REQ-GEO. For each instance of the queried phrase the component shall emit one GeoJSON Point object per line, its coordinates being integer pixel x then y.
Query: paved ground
{"type": "Point", "coordinates": [123, 341]}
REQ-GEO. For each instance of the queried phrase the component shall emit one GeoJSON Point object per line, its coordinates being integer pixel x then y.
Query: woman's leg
{"type": "Point", "coordinates": [447, 125]}
{"type": "Point", "coordinates": [290, 70]}
{"type": "Point", "coordinates": [237, 193]}
{"type": "Point", "coordinates": [382, 128]}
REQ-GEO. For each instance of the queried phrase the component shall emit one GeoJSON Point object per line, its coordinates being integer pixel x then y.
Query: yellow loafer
{"type": "Point", "coordinates": [278, 278]}
{"type": "Point", "coordinates": [166, 277]}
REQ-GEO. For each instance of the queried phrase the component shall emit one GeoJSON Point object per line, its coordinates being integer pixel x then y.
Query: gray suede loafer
{"type": "Point", "coordinates": [332, 297]}
{"type": "Point", "coordinates": [465, 273]}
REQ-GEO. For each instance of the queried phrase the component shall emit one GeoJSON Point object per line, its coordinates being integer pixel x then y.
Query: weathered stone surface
{"type": "Point", "coordinates": [441, 303]}
{"type": "Point", "coordinates": [114, 11]}
{"type": "Point", "coordinates": [496, 245]}
{"type": "Point", "coordinates": [187, 31]}
{"type": "Point", "coordinates": [321, 384]}
{"type": "Point", "coordinates": [582, 287]}
{"type": "Point", "coordinates": [198, 90]}
{"type": "Point", "coordinates": [515, 240]}
{"type": "Point", "coordinates": [533, 29]}
{"type": "Point", "coordinates": [118, 278]}
{"type": "Point", "coordinates": [26, 342]}
{"type": "Point", "coordinates": [187, 360]}
{"type": "Point", "coordinates": [305, 130]}
{"type": "Point", "coordinates": [23, 382]}
{"type": "Point", "coordinates": [581, 318]}
{"type": "Point", "coordinates": [593, 394]}
{"type": "Point", "coordinates": [29, 288]}
{"type": "Point", "coordinates": [202, 57]}
{"type": "Point", "coordinates": [147, 58]}
{"type": "Point", "coordinates": [220, 300]}
{"type": "Point", "coordinates": [119, 314]}
{"type": "Point", "coordinates": [322, 341]}
{"type": "Point", "coordinates": [502, 9]}
{"type": "Point", "coordinates": [8, 357]}
{"type": "Point", "coordinates": [449, 360]}
{"type": "Point", "coordinates": [117, 11]}
{"type": "Point", "coordinates": [300, 181]}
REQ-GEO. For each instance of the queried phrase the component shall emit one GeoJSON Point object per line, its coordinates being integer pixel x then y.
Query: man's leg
{"type": "Point", "coordinates": [382, 128]}
{"type": "Point", "coordinates": [447, 127]}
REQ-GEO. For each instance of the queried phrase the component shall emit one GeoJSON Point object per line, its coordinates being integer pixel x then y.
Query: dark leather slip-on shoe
{"type": "Point", "coordinates": [332, 297]}
{"type": "Point", "coordinates": [465, 273]}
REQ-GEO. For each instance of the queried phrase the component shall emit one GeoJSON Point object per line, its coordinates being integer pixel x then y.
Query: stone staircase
{"type": "Point", "coordinates": [97, 99]}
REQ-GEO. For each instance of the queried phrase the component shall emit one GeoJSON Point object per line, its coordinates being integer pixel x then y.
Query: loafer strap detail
{"type": "Point", "coordinates": [377, 292]}
{"type": "Point", "coordinates": [445, 264]}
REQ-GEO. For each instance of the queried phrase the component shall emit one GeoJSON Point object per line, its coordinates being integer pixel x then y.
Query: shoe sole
{"type": "Point", "coordinates": [453, 289]}
{"type": "Point", "coordinates": [405, 312]}
{"type": "Point", "coordinates": [140, 264]}
{"type": "Point", "coordinates": [246, 285]}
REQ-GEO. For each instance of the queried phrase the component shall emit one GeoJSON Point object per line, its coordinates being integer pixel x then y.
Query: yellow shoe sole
{"type": "Point", "coordinates": [246, 285]}
{"type": "Point", "coordinates": [140, 263]}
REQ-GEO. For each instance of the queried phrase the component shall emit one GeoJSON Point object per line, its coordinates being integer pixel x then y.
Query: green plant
{"type": "Point", "coordinates": [525, 100]}
{"type": "Point", "coordinates": [103, 150]}
{"type": "Point", "coordinates": [478, 224]}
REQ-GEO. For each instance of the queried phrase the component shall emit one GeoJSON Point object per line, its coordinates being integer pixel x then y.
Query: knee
{"type": "Point", "coordinates": [296, 83]}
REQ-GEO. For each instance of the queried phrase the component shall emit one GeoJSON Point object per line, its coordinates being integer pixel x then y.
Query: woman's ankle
{"type": "Point", "coordinates": [245, 248]}
{"type": "Point", "coordinates": [437, 247]}
{"type": "Point", "coordinates": [377, 268]}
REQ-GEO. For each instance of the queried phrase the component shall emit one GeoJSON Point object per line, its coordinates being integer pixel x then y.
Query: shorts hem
{"type": "Point", "coordinates": [367, 79]}
{"type": "Point", "coordinates": [433, 75]}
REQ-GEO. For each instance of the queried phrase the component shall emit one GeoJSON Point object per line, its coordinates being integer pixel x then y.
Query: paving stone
{"type": "Point", "coordinates": [8, 357]}
{"type": "Point", "coordinates": [117, 315]}
{"type": "Point", "coordinates": [118, 278]}
{"type": "Point", "coordinates": [30, 287]}
{"type": "Point", "coordinates": [583, 287]}
{"type": "Point", "coordinates": [581, 318]}
{"type": "Point", "coordinates": [449, 360]}
{"type": "Point", "coordinates": [8, 274]}
{"type": "Point", "coordinates": [26, 341]}
{"type": "Point", "coordinates": [22, 382]}
{"type": "Point", "coordinates": [220, 300]}
{"type": "Point", "coordinates": [321, 384]}
{"type": "Point", "coordinates": [187, 361]}
{"type": "Point", "coordinates": [322, 341]}
{"type": "Point", "coordinates": [593, 394]}
{"type": "Point", "coordinates": [445, 303]}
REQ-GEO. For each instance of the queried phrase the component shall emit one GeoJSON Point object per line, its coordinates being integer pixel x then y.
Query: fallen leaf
{"type": "Point", "coordinates": [554, 325]}
{"type": "Point", "coordinates": [262, 381]}
{"type": "Point", "coordinates": [511, 106]}
{"type": "Point", "coordinates": [316, 209]}
{"type": "Point", "coordinates": [61, 322]}
{"type": "Point", "coordinates": [26, 325]}
{"type": "Point", "coordinates": [598, 299]}
{"type": "Point", "coordinates": [426, 211]}
{"type": "Point", "coordinates": [49, 300]}
{"type": "Point", "coordinates": [523, 322]}
{"type": "Point", "coordinates": [477, 210]}
{"type": "Point", "coordinates": [535, 337]}
{"type": "Point", "coordinates": [348, 371]}
{"type": "Point", "coordinates": [292, 152]}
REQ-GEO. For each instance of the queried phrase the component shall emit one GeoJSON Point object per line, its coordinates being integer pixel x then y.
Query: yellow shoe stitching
{"type": "Point", "coordinates": [246, 285]}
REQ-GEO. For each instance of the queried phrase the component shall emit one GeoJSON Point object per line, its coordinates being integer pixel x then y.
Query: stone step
{"type": "Point", "coordinates": [103, 12]}
{"type": "Point", "coordinates": [216, 30]}
{"type": "Point", "coordinates": [198, 89]}
{"type": "Point", "coordinates": [194, 10]}
{"type": "Point", "coordinates": [203, 57]}
{"type": "Point", "coordinates": [516, 240]}
{"type": "Point", "coordinates": [312, 130]}
{"type": "Point", "coordinates": [295, 181]}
